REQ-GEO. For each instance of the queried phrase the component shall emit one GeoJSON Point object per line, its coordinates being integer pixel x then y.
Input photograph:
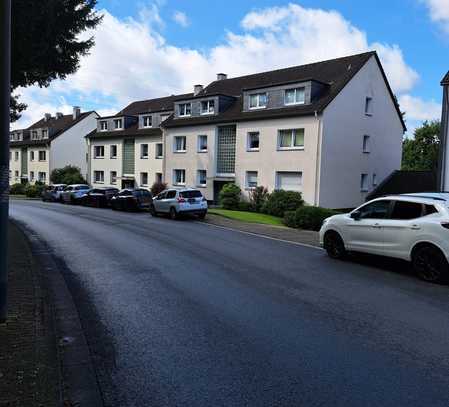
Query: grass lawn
{"type": "Point", "coordinates": [251, 217]}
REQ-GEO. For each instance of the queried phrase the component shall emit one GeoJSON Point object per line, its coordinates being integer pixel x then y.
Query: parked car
{"type": "Point", "coordinates": [132, 199]}
{"type": "Point", "coordinates": [177, 202]}
{"type": "Point", "coordinates": [73, 193]}
{"type": "Point", "coordinates": [99, 197]}
{"type": "Point", "coordinates": [412, 227]}
{"type": "Point", "coordinates": [53, 192]}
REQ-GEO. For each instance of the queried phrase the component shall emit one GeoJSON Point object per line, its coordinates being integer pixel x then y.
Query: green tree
{"type": "Point", "coordinates": [46, 42]}
{"type": "Point", "coordinates": [420, 153]}
{"type": "Point", "coordinates": [67, 175]}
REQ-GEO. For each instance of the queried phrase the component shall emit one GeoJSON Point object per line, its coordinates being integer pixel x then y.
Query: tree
{"type": "Point", "coordinates": [420, 153]}
{"type": "Point", "coordinates": [67, 175]}
{"type": "Point", "coordinates": [46, 42]}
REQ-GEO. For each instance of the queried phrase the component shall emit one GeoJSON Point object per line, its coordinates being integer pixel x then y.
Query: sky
{"type": "Point", "coordinates": [153, 48]}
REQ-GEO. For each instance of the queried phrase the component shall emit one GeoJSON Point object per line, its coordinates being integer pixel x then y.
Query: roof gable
{"type": "Point", "coordinates": [445, 80]}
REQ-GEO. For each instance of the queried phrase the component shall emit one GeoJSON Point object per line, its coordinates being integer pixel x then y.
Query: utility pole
{"type": "Point", "coordinates": [5, 91]}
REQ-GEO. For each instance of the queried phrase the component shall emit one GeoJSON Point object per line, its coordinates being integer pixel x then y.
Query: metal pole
{"type": "Point", "coordinates": [5, 90]}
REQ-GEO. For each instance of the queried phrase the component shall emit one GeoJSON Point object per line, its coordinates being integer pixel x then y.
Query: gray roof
{"type": "Point", "coordinates": [445, 80]}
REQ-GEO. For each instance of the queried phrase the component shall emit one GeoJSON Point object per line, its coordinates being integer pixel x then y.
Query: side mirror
{"type": "Point", "coordinates": [355, 215]}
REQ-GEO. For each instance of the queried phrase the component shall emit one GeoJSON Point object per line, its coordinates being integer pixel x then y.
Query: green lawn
{"type": "Point", "coordinates": [251, 217]}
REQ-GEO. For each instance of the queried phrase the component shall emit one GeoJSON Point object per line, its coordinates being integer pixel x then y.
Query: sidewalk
{"type": "Point", "coordinates": [29, 370]}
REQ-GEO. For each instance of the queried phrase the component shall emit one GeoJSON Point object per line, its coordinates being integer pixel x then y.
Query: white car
{"type": "Point", "coordinates": [180, 201]}
{"type": "Point", "coordinates": [412, 227]}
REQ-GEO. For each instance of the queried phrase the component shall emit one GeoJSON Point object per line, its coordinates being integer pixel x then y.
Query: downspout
{"type": "Point", "coordinates": [317, 161]}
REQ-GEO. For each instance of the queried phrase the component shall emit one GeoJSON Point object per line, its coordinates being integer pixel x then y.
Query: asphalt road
{"type": "Point", "coordinates": [180, 313]}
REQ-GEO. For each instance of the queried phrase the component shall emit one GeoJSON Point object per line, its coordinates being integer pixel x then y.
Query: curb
{"type": "Point", "coordinates": [79, 381]}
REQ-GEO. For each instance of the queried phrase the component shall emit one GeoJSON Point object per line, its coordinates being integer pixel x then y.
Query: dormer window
{"type": "Point", "coordinates": [34, 135]}
{"type": "Point", "coordinates": [294, 96]}
{"type": "Point", "coordinates": [208, 106]}
{"type": "Point", "coordinates": [45, 133]}
{"type": "Point", "coordinates": [118, 124]}
{"type": "Point", "coordinates": [103, 125]}
{"type": "Point", "coordinates": [258, 100]}
{"type": "Point", "coordinates": [185, 109]}
{"type": "Point", "coordinates": [147, 121]}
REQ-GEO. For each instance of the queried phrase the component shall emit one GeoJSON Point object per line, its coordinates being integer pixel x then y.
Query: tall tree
{"type": "Point", "coordinates": [46, 42]}
{"type": "Point", "coordinates": [420, 153]}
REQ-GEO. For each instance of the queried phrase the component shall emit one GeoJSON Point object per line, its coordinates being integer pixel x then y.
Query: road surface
{"type": "Point", "coordinates": [181, 313]}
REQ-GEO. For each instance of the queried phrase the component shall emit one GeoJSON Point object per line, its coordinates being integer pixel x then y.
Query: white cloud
{"type": "Point", "coordinates": [181, 18]}
{"type": "Point", "coordinates": [419, 109]}
{"type": "Point", "coordinates": [439, 12]}
{"type": "Point", "coordinates": [132, 60]}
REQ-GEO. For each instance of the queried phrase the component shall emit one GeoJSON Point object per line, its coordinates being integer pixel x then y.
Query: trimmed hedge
{"type": "Point", "coordinates": [280, 201]}
{"type": "Point", "coordinates": [17, 189]}
{"type": "Point", "coordinates": [229, 196]}
{"type": "Point", "coordinates": [34, 191]}
{"type": "Point", "coordinates": [307, 217]}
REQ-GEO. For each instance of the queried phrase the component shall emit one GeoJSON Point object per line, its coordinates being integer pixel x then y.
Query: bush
{"type": "Point", "coordinates": [158, 187]}
{"type": "Point", "coordinates": [229, 196]}
{"type": "Point", "coordinates": [307, 217]}
{"type": "Point", "coordinates": [67, 175]}
{"type": "Point", "coordinates": [244, 206]}
{"type": "Point", "coordinates": [34, 191]}
{"type": "Point", "coordinates": [281, 201]}
{"type": "Point", "coordinates": [17, 189]}
{"type": "Point", "coordinates": [257, 198]}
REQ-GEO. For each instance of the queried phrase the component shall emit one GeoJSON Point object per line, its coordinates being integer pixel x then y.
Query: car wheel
{"type": "Point", "coordinates": [153, 211]}
{"type": "Point", "coordinates": [430, 264]}
{"type": "Point", "coordinates": [334, 245]}
{"type": "Point", "coordinates": [173, 214]}
{"type": "Point", "coordinates": [202, 215]}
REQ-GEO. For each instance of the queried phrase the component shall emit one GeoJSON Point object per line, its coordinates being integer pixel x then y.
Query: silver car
{"type": "Point", "coordinates": [53, 192]}
{"type": "Point", "coordinates": [73, 193]}
{"type": "Point", "coordinates": [177, 202]}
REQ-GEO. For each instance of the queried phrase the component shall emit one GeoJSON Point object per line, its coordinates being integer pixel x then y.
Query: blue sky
{"type": "Point", "coordinates": [151, 48]}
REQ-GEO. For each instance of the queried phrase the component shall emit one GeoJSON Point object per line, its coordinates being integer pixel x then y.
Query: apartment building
{"type": "Point", "coordinates": [52, 142]}
{"type": "Point", "coordinates": [331, 130]}
{"type": "Point", "coordinates": [444, 150]}
{"type": "Point", "coordinates": [126, 150]}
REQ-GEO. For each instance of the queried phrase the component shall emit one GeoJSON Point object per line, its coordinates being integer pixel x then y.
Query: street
{"type": "Point", "coordinates": [182, 313]}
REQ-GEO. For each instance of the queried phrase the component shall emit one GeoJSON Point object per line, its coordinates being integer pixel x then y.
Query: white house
{"type": "Point", "coordinates": [444, 149]}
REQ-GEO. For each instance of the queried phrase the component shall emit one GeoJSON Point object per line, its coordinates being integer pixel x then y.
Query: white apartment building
{"type": "Point", "coordinates": [331, 130]}
{"type": "Point", "coordinates": [52, 142]}
{"type": "Point", "coordinates": [444, 150]}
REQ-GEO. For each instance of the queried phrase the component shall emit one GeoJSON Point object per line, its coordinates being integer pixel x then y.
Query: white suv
{"type": "Point", "coordinates": [413, 227]}
{"type": "Point", "coordinates": [181, 201]}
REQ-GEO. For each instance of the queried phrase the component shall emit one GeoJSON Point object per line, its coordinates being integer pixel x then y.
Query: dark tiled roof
{"type": "Point", "coordinates": [132, 131]}
{"type": "Point", "coordinates": [445, 80]}
{"type": "Point", "coordinates": [336, 73]}
{"type": "Point", "coordinates": [153, 105]}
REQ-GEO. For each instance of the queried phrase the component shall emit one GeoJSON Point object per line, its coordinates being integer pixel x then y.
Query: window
{"type": "Point", "coordinates": [42, 155]}
{"type": "Point", "coordinates": [369, 106]}
{"type": "Point", "coordinates": [31, 175]}
{"type": "Point", "coordinates": [42, 176]}
{"type": "Point", "coordinates": [375, 210]}
{"type": "Point", "coordinates": [291, 139]}
{"type": "Point", "coordinates": [406, 210]}
{"type": "Point", "coordinates": [170, 194]}
{"type": "Point", "coordinates": [185, 109]}
{"type": "Point", "coordinates": [158, 177]}
{"type": "Point", "coordinates": [257, 100]}
{"type": "Point", "coordinates": [144, 151]}
{"type": "Point", "coordinates": [16, 174]}
{"type": "Point", "coordinates": [16, 156]}
{"type": "Point", "coordinates": [294, 96]}
{"type": "Point", "coordinates": [374, 180]}
{"type": "Point", "coordinates": [113, 176]}
{"type": "Point", "coordinates": [289, 181]}
{"type": "Point", "coordinates": [31, 155]}
{"type": "Point", "coordinates": [147, 121]}
{"type": "Point", "coordinates": [202, 144]}
{"type": "Point", "coordinates": [366, 143]}
{"type": "Point", "coordinates": [144, 179]}
{"type": "Point", "coordinates": [99, 152]}
{"type": "Point", "coordinates": [253, 141]}
{"type": "Point", "coordinates": [201, 178]}
{"type": "Point", "coordinates": [159, 150]}
{"type": "Point", "coordinates": [44, 133]}
{"type": "Point", "coordinates": [251, 179]}
{"type": "Point", "coordinates": [99, 176]}
{"type": "Point", "coordinates": [103, 125]}
{"type": "Point", "coordinates": [208, 106]}
{"type": "Point", "coordinates": [34, 135]}
{"type": "Point", "coordinates": [364, 182]}
{"type": "Point", "coordinates": [429, 209]}
{"type": "Point", "coordinates": [113, 151]}
{"type": "Point", "coordinates": [179, 177]}
{"type": "Point", "coordinates": [118, 124]}
{"type": "Point", "coordinates": [180, 144]}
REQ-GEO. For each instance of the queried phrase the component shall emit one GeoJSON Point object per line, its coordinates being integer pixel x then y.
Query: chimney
{"type": "Point", "coordinates": [197, 89]}
{"type": "Point", "coordinates": [47, 117]}
{"type": "Point", "coordinates": [59, 115]}
{"type": "Point", "coordinates": [76, 112]}
{"type": "Point", "coordinates": [221, 76]}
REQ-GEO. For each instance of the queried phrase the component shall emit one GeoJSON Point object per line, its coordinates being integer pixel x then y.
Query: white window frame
{"type": "Point", "coordinates": [112, 177]}
{"type": "Point", "coordinates": [99, 180]}
{"type": "Point", "coordinates": [279, 175]}
{"type": "Point", "coordinates": [34, 135]}
{"type": "Point", "coordinates": [366, 143]}
{"type": "Point", "coordinates": [182, 178]}
{"type": "Point", "coordinates": [198, 178]}
{"type": "Point", "coordinates": [247, 176]}
{"type": "Point", "coordinates": [175, 146]}
{"type": "Point", "coordinates": [42, 176]}
{"type": "Point", "coordinates": [295, 90]}
{"type": "Point", "coordinates": [147, 117]}
{"type": "Point", "coordinates": [16, 156]}
{"type": "Point", "coordinates": [111, 148]}
{"type": "Point", "coordinates": [118, 122]}
{"type": "Point", "coordinates": [158, 177]}
{"type": "Point", "coordinates": [248, 141]}
{"type": "Point", "coordinates": [97, 156]}
{"type": "Point", "coordinates": [31, 155]}
{"type": "Point", "coordinates": [363, 182]}
{"type": "Point", "coordinates": [183, 109]}
{"type": "Point", "coordinates": [258, 97]}
{"type": "Point", "coordinates": [292, 146]}
{"type": "Point", "coordinates": [375, 183]}
{"type": "Point", "coordinates": [142, 174]}
{"type": "Point", "coordinates": [142, 155]}
{"type": "Point", "coordinates": [44, 154]}
{"type": "Point", "coordinates": [44, 133]}
{"type": "Point", "coordinates": [202, 150]}
{"type": "Point", "coordinates": [368, 106]}
{"type": "Point", "coordinates": [210, 109]}
{"type": "Point", "coordinates": [159, 156]}
{"type": "Point", "coordinates": [103, 125]}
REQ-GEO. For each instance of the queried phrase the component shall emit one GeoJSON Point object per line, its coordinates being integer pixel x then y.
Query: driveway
{"type": "Point", "coordinates": [182, 313]}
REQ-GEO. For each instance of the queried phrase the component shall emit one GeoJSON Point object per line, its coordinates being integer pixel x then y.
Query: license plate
{"type": "Point", "coordinates": [192, 201]}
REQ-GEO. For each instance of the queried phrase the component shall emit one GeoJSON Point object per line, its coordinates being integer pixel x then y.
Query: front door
{"type": "Point", "coordinates": [128, 184]}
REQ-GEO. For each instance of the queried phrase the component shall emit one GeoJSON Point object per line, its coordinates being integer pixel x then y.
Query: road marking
{"type": "Point", "coordinates": [262, 236]}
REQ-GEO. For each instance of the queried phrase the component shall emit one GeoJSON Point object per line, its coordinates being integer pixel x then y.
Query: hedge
{"type": "Point", "coordinates": [307, 217]}
{"type": "Point", "coordinates": [17, 189]}
{"type": "Point", "coordinates": [280, 201]}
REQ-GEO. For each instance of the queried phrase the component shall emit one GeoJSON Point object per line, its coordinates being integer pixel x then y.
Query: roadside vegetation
{"type": "Point", "coordinates": [27, 190]}
{"type": "Point", "coordinates": [67, 175]}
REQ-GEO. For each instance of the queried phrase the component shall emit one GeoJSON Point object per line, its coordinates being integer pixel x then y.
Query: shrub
{"type": "Point", "coordinates": [34, 191]}
{"type": "Point", "coordinates": [17, 189]}
{"type": "Point", "coordinates": [244, 206]}
{"type": "Point", "coordinates": [281, 201]}
{"type": "Point", "coordinates": [229, 196]}
{"type": "Point", "coordinates": [307, 217]}
{"type": "Point", "coordinates": [257, 198]}
{"type": "Point", "coordinates": [158, 187]}
{"type": "Point", "coordinates": [67, 175]}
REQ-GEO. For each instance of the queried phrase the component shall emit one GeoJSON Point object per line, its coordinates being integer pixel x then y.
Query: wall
{"type": "Point", "coordinates": [106, 164]}
{"type": "Point", "coordinates": [39, 166]}
{"type": "Point", "coordinates": [344, 124]}
{"type": "Point", "coordinates": [15, 165]}
{"type": "Point", "coordinates": [151, 165]}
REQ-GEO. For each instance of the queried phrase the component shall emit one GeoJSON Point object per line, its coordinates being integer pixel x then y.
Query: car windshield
{"type": "Point", "coordinates": [190, 194]}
